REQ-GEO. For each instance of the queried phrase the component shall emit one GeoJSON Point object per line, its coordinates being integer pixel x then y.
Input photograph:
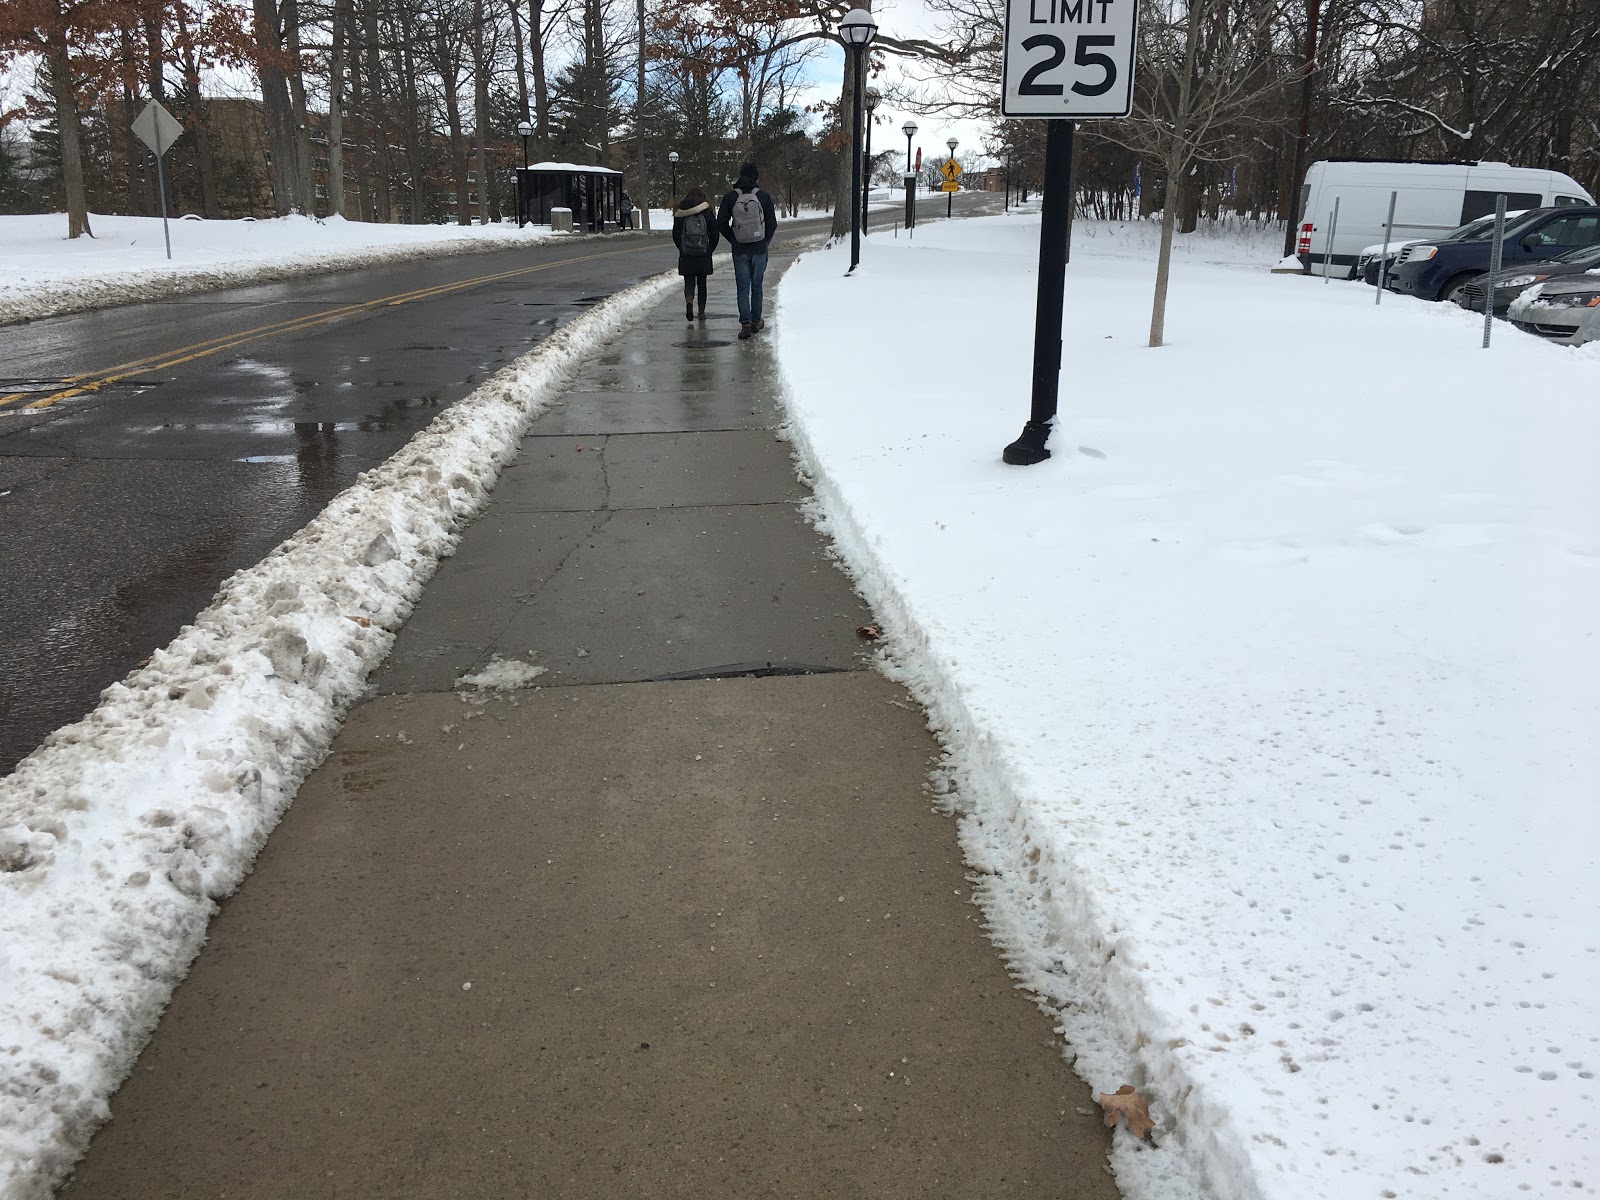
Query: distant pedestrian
{"type": "Point", "coordinates": [627, 211]}
{"type": "Point", "coordinates": [748, 221]}
{"type": "Point", "coordinates": [694, 233]}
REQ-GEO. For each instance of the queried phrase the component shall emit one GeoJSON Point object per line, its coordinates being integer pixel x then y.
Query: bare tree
{"type": "Point", "coordinates": [1202, 73]}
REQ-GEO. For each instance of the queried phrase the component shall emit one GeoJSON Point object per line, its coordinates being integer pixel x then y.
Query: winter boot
{"type": "Point", "coordinates": [688, 311]}
{"type": "Point", "coordinates": [702, 312]}
{"type": "Point", "coordinates": [745, 331]}
{"type": "Point", "coordinates": [757, 326]}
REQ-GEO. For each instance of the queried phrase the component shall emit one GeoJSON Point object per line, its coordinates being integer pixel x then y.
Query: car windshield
{"type": "Point", "coordinates": [1584, 256]}
{"type": "Point", "coordinates": [1483, 227]}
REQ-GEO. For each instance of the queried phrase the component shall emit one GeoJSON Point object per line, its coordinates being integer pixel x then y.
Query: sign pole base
{"type": "Point", "coordinates": [1055, 213]}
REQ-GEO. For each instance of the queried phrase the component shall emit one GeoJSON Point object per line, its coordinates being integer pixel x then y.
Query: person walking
{"type": "Point", "coordinates": [694, 233]}
{"type": "Point", "coordinates": [748, 220]}
{"type": "Point", "coordinates": [627, 211]}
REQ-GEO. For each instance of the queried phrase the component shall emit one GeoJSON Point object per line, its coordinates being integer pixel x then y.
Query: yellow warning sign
{"type": "Point", "coordinates": [951, 171]}
{"type": "Point", "coordinates": [950, 186]}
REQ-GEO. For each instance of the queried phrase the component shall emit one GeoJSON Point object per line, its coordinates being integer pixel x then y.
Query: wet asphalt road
{"type": "Point", "coordinates": [236, 416]}
{"type": "Point", "coordinates": [125, 509]}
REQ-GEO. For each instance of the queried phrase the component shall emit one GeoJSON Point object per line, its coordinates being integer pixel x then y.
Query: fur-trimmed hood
{"type": "Point", "coordinates": [679, 214]}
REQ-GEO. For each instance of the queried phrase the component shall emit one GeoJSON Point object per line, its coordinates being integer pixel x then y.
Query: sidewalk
{"type": "Point", "coordinates": [657, 927]}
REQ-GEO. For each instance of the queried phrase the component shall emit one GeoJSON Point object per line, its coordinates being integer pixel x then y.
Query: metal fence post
{"type": "Point", "coordinates": [1333, 228]}
{"type": "Point", "coordinates": [1388, 236]}
{"type": "Point", "coordinates": [1494, 266]}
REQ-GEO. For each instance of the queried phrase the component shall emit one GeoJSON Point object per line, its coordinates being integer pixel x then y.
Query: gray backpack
{"type": "Point", "coordinates": [748, 222]}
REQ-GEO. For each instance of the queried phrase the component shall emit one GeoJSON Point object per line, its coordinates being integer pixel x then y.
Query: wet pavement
{"type": "Point", "coordinates": [124, 510]}
{"type": "Point", "coordinates": [619, 935]}
{"type": "Point", "coordinates": [232, 418]}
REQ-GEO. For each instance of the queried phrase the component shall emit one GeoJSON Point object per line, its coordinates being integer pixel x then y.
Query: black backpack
{"type": "Point", "coordinates": [696, 234]}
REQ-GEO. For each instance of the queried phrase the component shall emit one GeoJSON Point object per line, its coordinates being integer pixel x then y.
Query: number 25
{"type": "Point", "coordinates": [1082, 56]}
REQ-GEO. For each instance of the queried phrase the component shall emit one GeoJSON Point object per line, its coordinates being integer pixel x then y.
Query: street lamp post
{"type": "Point", "coordinates": [910, 130]}
{"type": "Point", "coordinates": [873, 97]}
{"type": "Point", "coordinates": [526, 130]}
{"type": "Point", "coordinates": [856, 31]}
{"type": "Point", "coordinates": [950, 197]}
{"type": "Point", "coordinates": [673, 159]}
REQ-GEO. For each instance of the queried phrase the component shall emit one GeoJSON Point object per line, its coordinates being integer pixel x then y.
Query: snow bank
{"type": "Point", "coordinates": [47, 275]}
{"type": "Point", "coordinates": [120, 833]}
{"type": "Point", "coordinates": [1270, 699]}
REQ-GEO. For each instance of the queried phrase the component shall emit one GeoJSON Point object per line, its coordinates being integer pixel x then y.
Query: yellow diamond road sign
{"type": "Point", "coordinates": [951, 170]}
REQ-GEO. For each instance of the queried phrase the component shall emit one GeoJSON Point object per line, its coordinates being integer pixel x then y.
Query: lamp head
{"type": "Point", "coordinates": [857, 28]}
{"type": "Point", "coordinates": [673, 157]}
{"type": "Point", "coordinates": [909, 129]}
{"type": "Point", "coordinates": [952, 143]}
{"type": "Point", "coordinates": [525, 129]}
{"type": "Point", "coordinates": [872, 99]}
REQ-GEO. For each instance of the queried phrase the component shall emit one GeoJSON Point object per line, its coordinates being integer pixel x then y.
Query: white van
{"type": "Point", "coordinates": [1432, 199]}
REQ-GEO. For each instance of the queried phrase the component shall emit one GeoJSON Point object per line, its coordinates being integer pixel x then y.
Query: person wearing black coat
{"type": "Point", "coordinates": [695, 268]}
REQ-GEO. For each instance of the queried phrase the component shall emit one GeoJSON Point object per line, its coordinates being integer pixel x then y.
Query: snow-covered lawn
{"type": "Point", "coordinates": [1272, 698]}
{"type": "Point", "coordinates": [118, 835]}
{"type": "Point", "coordinates": [42, 273]}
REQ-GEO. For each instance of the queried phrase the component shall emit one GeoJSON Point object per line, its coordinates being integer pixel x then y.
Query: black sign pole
{"type": "Point", "coordinates": [1055, 222]}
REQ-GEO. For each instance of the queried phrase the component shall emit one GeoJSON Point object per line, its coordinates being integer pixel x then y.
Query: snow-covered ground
{"type": "Point", "coordinates": [119, 833]}
{"type": "Point", "coordinates": [1270, 702]}
{"type": "Point", "coordinates": [42, 273]}
{"type": "Point", "coordinates": [1271, 698]}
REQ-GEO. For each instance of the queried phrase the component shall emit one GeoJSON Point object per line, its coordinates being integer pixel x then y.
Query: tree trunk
{"type": "Point", "coordinates": [1178, 158]}
{"type": "Point", "coordinates": [843, 202]}
{"type": "Point", "coordinates": [138, 188]}
{"type": "Point", "coordinates": [480, 102]}
{"type": "Point", "coordinates": [1308, 67]}
{"type": "Point", "coordinates": [336, 72]}
{"type": "Point", "coordinates": [66, 104]}
{"type": "Point", "coordinates": [281, 133]}
{"type": "Point", "coordinates": [412, 115]}
{"type": "Point", "coordinates": [449, 70]}
{"type": "Point", "coordinates": [641, 185]}
{"type": "Point", "coordinates": [155, 57]}
{"type": "Point", "coordinates": [199, 118]}
{"type": "Point", "coordinates": [521, 52]}
{"type": "Point", "coordinates": [361, 136]}
{"type": "Point", "coordinates": [377, 121]}
{"type": "Point", "coordinates": [297, 92]}
{"type": "Point", "coordinates": [1189, 214]}
{"type": "Point", "coordinates": [541, 84]}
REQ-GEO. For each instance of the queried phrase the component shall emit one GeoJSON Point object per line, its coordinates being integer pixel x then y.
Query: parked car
{"type": "Point", "coordinates": [1369, 263]}
{"type": "Point", "coordinates": [1562, 310]}
{"type": "Point", "coordinates": [1432, 199]}
{"type": "Point", "coordinates": [1438, 271]}
{"type": "Point", "coordinates": [1512, 282]}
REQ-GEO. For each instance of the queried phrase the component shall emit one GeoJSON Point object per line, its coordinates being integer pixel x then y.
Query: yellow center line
{"type": "Point", "coordinates": [95, 380]}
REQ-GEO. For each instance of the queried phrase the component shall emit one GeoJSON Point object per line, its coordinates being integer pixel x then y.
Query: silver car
{"type": "Point", "coordinates": [1561, 310]}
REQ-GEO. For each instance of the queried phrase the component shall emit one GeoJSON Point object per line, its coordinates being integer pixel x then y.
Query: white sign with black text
{"type": "Point", "coordinates": [1069, 58]}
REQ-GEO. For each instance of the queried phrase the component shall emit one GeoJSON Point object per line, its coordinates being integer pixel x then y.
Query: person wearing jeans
{"type": "Point", "coordinates": [748, 220]}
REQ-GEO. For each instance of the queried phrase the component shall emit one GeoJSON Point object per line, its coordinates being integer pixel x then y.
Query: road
{"type": "Point", "coordinates": [218, 424]}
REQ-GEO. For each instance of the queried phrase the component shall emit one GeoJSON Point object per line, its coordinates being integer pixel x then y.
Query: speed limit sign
{"type": "Point", "coordinates": [1070, 59]}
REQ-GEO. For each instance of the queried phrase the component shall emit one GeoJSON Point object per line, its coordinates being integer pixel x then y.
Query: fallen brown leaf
{"type": "Point", "coordinates": [364, 622]}
{"type": "Point", "coordinates": [871, 632]}
{"type": "Point", "coordinates": [1131, 1107]}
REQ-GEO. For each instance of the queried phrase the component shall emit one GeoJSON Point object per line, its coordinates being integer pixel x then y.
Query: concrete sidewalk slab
{"type": "Point", "coordinates": [717, 941]}
{"type": "Point", "coordinates": [717, 944]}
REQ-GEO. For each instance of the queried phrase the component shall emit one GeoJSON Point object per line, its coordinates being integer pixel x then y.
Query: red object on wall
{"type": "Point", "coordinates": [919, 159]}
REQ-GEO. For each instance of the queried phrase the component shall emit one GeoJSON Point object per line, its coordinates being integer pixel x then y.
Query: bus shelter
{"type": "Point", "coordinates": [594, 194]}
